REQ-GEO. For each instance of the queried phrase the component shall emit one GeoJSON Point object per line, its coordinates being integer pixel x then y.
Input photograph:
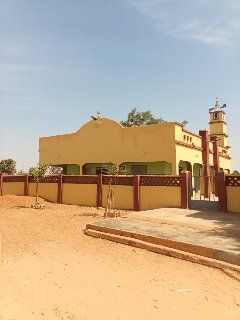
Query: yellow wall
{"type": "Point", "coordinates": [15, 188]}
{"type": "Point", "coordinates": [233, 199]}
{"type": "Point", "coordinates": [123, 199]}
{"type": "Point", "coordinates": [224, 163]}
{"type": "Point", "coordinates": [92, 142]}
{"type": "Point", "coordinates": [190, 155]}
{"type": "Point", "coordinates": [180, 133]}
{"type": "Point", "coordinates": [159, 197]}
{"type": "Point", "coordinates": [47, 191]}
{"type": "Point", "coordinates": [217, 128]}
{"type": "Point", "coordinates": [32, 189]}
{"type": "Point", "coordinates": [80, 194]}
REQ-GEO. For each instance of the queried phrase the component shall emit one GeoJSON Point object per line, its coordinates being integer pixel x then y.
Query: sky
{"type": "Point", "coordinates": [62, 60]}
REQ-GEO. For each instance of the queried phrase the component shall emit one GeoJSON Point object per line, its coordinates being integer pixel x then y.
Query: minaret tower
{"type": "Point", "coordinates": [218, 125]}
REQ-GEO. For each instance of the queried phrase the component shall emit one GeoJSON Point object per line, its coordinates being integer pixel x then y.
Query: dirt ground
{"type": "Point", "coordinates": [51, 270]}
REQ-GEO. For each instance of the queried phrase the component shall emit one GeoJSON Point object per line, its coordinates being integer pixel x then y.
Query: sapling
{"type": "Point", "coordinates": [38, 172]}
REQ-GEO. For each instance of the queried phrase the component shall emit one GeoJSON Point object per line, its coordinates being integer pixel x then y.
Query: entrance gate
{"type": "Point", "coordinates": [198, 199]}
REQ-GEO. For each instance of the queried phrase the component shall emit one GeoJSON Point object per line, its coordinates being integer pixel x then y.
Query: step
{"type": "Point", "coordinates": [230, 269]}
{"type": "Point", "coordinates": [202, 243]}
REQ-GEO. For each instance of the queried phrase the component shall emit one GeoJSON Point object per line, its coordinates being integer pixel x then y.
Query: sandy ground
{"type": "Point", "coordinates": [51, 270]}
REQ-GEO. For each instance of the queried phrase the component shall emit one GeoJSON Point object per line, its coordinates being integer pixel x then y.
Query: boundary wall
{"type": "Point", "coordinates": [131, 192]}
{"type": "Point", "coordinates": [229, 192]}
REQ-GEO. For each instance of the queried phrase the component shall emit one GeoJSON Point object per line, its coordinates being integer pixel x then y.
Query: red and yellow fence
{"type": "Point", "coordinates": [131, 192]}
{"type": "Point", "coordinates": [229, 192]}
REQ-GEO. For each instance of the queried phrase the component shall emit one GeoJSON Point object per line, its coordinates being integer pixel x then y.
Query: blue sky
{"type": "Point", "coordinates": [62, 60]}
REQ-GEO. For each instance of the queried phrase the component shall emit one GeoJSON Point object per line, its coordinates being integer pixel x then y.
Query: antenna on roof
{"type": "Point", "coordinates": [185, 122]}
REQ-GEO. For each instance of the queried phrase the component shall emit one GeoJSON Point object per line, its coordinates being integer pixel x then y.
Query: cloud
{"type": "Point", "coordinates": [208, 22]}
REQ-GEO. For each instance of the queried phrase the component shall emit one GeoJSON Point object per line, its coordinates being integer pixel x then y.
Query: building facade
{"type": "Point", "coordinates": [158, 149]}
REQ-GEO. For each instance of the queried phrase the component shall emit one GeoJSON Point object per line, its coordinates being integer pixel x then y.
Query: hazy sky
{"type": "Point", "coordinates": [62, 60]}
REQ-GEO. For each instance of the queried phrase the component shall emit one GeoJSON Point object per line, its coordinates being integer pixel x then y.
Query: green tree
{"type": "Point", "coordinates": [140, 118]}
{"type": "Point", "coordinates": [38, 172]}
{"type": "Point", "coordinates": [8, 166]}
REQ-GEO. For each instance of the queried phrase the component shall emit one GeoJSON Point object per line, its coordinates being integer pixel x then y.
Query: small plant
{"type": "Point", "coordinates": [38, 172]}
{"type": "Point", "coordinates": [113, 171]}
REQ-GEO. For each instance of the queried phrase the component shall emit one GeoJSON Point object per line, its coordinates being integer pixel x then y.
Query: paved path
{"type": "Point", "coordinates": [208, 243]}
{"type": "Point", "coordinates": [222, 222]}
{"type": "Point", "coordinates": [175, 233]}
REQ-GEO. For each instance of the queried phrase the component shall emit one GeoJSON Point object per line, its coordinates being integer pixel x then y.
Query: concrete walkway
{"type": "Point", "coordinates": [221, 222]}
{"type": "Point", "coordinates": [212, 235]}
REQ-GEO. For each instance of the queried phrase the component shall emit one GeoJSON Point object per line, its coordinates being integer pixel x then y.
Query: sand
{"type": "Point", "coordinates": [51, 270]}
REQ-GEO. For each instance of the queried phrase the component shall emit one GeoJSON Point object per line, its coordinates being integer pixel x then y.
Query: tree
{"type": "Point", "coordinates": [8, 166]}
{"type": "Point", "coordinates": [38, 172]}
{"type": "Point", "coordinates": [112, 170]}
{"type": "Point", "coordinates": [139, 118]}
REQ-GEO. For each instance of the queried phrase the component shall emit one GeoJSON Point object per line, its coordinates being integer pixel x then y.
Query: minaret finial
{"type": "Point", "coordinates": [217, 106]}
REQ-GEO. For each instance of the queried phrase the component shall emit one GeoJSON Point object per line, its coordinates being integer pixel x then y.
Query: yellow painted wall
{"type": "Point", "coordinates": [211, 163]}
{"type": "Point", "coordinates": [202, 182]}
{"type": "Point", "coordinates": [14, 188]}
{"type": "Point", "coordinates": [110, 142]}
{"type": "Point", "coordinates": [159, 197]}
{"type": "Point", "coordinates": [92, 143]}
{"type": "Point", "coordinates": [190, 155]}
{"type": "Point", "coordinates": [225, 163]}
{"type": "Point", "coordinates": [47, 191]}
{"type": "Point", "coordinates": [233, 199]}
{"type": "Point", "coordinates": [217, 128]}
{"type": "Point", "coordinates": [80, 194]}
{"type": "Point", "coordinates": [180, 133]}
{"type": "Point", "coordinates": [123, 199]}
{"type": "Point", "coordinates": [32, 189]}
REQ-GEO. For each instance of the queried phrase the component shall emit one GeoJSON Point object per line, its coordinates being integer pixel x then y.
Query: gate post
{"type": "Point", "coordinates": [26, 184]}
{"type": "Point", "coordinates": [205, 158]}
{"type": "Point", "coordinates": [99, 191]}
{"type": "Point", "coordinates": [136, 187]}
{"type": "Point", "coordinates": [185, 189]}
{"type": "Point", "coordinates": [222, 193]}
{"type": "Point", "coordinates": [60, 188]}
{"type": "Point", "coordinates": [214, 140]}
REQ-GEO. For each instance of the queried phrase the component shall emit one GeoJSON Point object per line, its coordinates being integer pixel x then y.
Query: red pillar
{"type": "Point", "coordinates": [222, 192]}
{"type": "Point", "coordinates": [205, 158]}
{"type": "Point", "coordinates": [99, 191]}
{"type": "Point", "coordinates": [1, 184]}
{"type": "Point", "coordinates": [185, 190]}
{"type": "Point", "coordinates": [136, 186]}
{"type": "Point", "coordinates": [215, 162]}
{"type": "Point", "coordinates": [26, 184]}
{"type": "Point", "coordinates": [60, 188]}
